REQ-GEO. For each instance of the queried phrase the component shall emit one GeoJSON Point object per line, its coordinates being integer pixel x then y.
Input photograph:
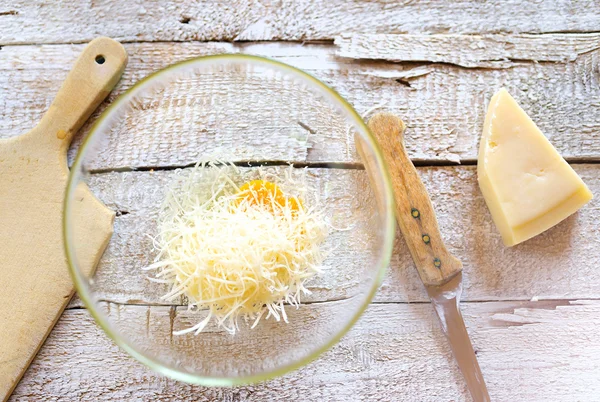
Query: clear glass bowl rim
{"type": "Point", "coordinates": [80, 280]}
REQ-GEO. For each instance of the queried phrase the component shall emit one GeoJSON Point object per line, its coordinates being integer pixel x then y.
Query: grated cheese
{"type": "Point", "coordinates": [235, 249]}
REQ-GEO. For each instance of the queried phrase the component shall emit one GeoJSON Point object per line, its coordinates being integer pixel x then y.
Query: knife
{"type": "Point", "coordinates": [439, 270]}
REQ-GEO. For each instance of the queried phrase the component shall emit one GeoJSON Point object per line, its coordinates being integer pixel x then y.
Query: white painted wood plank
{"type": "Point", "coordinates": [488, 51]}
{"type": "Point", "coordinates": [25, 21]}
{"type": "Point", "coordinates": [560, 263]}
{"type": "Point", "coordinates": [544, 351]}
{"type": "Point", "coordinates": [443, 105]}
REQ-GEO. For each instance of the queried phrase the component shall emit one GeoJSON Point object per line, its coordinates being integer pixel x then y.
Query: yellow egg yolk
{"type": "Point", "coordinates": [262, 192]}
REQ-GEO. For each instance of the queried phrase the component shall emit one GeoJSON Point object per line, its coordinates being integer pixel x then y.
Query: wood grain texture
{"type": "Point", "coordinates": [26, 21]}
{"type": "Point", "coordinates": [443, 105]}
{"type": "Point", "coordinates": [36, 285]}
{"type": "Point", "coordinates": [487, 51]}
{"type": "Point", "coordinates": [528, 351]}
{"type": "Point", "coordinates": [560, 263]}
{"type": "Point", "coordinates": [414, 213]}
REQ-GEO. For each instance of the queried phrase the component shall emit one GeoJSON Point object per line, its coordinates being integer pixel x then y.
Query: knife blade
{"type": "Point", "coordinates": [445, 300]}
{"type": "Point", "coordinates": [439, 270]}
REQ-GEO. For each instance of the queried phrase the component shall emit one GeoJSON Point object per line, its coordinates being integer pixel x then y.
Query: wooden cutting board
{"type": "Point", "coordinates": [35, 285]}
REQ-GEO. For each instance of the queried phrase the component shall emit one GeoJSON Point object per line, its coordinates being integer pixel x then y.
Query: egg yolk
{"type": "Point", "coordinates": [262, 192]}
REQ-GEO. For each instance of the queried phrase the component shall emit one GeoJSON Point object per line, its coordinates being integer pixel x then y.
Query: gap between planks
{"type": "Point", "coordinates": [320, 165]}
{"type": "Point", "coordinates": [37, 21]}
{"type": "Point", "coordinates": [551, 301]}
{"type": "Point", "coordinates": [433, 49]}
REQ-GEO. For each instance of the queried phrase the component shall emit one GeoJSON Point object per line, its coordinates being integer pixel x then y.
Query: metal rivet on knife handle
{"type": "Point", "coordinates": [414, 212]}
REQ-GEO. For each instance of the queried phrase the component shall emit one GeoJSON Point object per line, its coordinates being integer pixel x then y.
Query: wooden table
{"type": "Point", "coordinates": [533, 311]}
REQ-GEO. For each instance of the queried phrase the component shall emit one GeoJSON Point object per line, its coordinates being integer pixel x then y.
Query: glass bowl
{"type": "Point", "coordinates": [260, 115]}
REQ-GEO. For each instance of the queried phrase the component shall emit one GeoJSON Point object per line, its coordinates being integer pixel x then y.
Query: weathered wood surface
{"type": "Point", "coordinates": [561, 263]}
{"type": "Point", "coordinates": [545, 53]}
{"type": "Point", "coordinates": [443, 105]}
{"type": "Point", "coordinates": [487, 51]}
{"type": "Point", "coordinates": [528, 351]}
{"type": "Point", "coordinates": [241, 20]}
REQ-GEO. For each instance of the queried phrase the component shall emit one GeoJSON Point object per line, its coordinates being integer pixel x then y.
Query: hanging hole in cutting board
{"type": "Point", "coordinates": [100, 59]}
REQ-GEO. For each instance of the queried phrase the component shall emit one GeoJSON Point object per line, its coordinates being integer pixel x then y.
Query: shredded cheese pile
{"type": "Point", "coordinates": [237, 247]}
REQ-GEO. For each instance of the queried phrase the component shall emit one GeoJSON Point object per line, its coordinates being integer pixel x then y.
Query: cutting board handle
{"type": "Point", "coordinates": [414, 212]}
{"type": "Point", "coordinates": [94, 74]}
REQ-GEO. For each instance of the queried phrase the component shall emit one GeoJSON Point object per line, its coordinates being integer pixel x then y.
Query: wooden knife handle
{"type": "Point", "coordinates": [93, 76]}
{"type": "Point", "coordinates": [414, 212]}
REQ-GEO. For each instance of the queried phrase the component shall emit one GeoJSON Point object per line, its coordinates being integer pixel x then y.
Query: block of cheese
{"type": "Point", "coordinates": [526, 184]}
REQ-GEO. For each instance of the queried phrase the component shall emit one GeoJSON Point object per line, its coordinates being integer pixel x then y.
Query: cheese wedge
{"type": "Point", "coordinates": [527, 185]}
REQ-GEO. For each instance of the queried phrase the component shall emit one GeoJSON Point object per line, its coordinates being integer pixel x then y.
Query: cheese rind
{"type": "Point", "coordinates": [527, 185]}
